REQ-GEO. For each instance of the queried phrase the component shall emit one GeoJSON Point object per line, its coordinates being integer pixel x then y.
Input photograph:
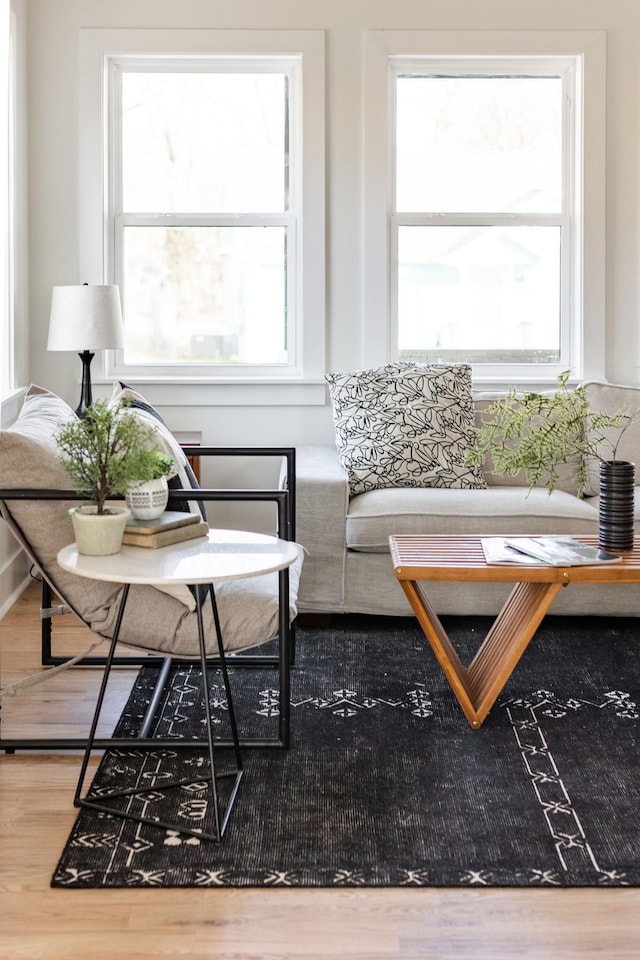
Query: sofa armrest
{"type": "Point", "coordinates": [322, 501]}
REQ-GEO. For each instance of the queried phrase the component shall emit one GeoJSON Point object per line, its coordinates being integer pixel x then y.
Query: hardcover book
{"type": "Point", "coordinates": [168, 520]}
{"type": "Point", "coordinates": [167, 536]}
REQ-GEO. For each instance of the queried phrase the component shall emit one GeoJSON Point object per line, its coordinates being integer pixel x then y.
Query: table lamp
{"type": "Point", "coordinates": [85, 318]}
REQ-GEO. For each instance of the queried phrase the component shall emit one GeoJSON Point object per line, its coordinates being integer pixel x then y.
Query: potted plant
{"type": "Point", "coordinates": [148, 497]}
{"type": "Point", "coordinates": [538, 432]}
{"type": "Point", "coordinates": [105, 452]}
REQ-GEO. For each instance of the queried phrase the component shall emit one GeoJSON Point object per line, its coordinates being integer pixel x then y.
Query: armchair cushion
{"type": "Point", "coordinates": [405, 425]}
{"type": "Point", "coordinates": [29, 459]}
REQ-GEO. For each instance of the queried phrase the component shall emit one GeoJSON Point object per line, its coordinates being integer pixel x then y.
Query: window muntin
{"type": "Point", "coordinates": [206, 209]}
{"type": "Point", "coordinates": [483, 235]}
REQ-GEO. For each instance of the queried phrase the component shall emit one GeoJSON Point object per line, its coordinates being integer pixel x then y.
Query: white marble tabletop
{"type": "Point", "coordinates": [223, 555]}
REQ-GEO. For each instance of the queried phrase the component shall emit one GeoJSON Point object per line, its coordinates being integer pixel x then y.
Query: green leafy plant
{"type": "Point", "coordinates": [538, 432]}
{"type": "Point", "coordinates": [160, 466]}
{"type": "Point", "coordinates": [107, 451]}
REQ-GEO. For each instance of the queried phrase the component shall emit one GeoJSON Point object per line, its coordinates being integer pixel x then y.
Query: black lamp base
{"type": "Point", "coordinates": [86, 398]}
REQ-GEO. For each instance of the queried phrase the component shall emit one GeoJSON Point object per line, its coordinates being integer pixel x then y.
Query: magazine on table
{"type": "Point", "coordinates": [549, 551]}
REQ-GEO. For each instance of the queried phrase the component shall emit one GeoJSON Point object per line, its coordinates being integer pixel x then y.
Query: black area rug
{"type": "Point", "coordinates": [385, 783]}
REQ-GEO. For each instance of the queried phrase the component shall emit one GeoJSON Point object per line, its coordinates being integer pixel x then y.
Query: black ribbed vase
{"type": "Point", "coordinates": [617, 483]}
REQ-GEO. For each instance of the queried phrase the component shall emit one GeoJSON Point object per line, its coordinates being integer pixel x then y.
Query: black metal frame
{"type": "Point", "coordinates": [282, 660]}
{"type": "Point", "coordinates": [98, 801]}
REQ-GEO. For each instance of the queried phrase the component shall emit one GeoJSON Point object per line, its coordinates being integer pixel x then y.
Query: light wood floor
{"type": "Point", "coordinates": [36, 814]}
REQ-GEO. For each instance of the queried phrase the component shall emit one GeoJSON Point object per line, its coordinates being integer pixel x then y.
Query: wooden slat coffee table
{"type": "Point", "coordinates": [420, 559]}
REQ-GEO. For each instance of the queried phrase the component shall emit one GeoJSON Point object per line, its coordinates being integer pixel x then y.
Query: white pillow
{"type": "Point", "coordinates": [42, 415]}
{"type": "Point", "coordinates": [405, 425]}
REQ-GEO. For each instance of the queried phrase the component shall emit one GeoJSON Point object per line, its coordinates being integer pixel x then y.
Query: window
{"type": "Point", "coordinates": [485, 221]}
{"type": "Point", "coordinates": [214, 203]}
{"type": "Point", "coordinates": [204, 236]}
{"type": "Point", "coordinates": [482, 223]}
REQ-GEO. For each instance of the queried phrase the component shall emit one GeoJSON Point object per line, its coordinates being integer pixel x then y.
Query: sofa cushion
{"type": "Point", "coordinates": [405, 425]}
{"type": "Point", "coordinates": [610, 398]}
{"type": "Point", "coordinates": [375, 515]}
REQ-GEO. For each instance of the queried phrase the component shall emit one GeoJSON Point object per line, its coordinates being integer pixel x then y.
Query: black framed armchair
{"type": "Point", "coordinates": [252, 612]}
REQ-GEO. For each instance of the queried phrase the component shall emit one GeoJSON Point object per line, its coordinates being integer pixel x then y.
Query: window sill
{"type": "Point", "coordinates": [224, 393]}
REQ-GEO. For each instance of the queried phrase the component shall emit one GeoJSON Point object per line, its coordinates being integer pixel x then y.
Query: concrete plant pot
{"type": "Point", "coordinates": [99, 535]}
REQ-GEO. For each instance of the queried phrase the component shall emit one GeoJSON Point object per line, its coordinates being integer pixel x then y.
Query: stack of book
{"type": "Point", "coordinates": [171, 527]}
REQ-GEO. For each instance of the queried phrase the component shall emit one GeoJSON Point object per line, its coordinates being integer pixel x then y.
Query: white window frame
{"type": "Point", "coordinates": [583, 274]}
{"type": "Point", "coordinates": [302, 52]}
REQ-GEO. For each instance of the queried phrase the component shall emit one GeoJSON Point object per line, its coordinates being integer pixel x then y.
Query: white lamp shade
{"type": "Point", "coordinates": [85, 318]}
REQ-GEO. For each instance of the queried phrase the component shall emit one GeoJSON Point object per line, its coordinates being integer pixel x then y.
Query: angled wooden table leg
{"type": "Point", "coordinates": [478, 687]}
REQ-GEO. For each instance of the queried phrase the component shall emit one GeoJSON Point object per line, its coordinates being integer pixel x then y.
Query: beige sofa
{"type": "Point", "coordinates": [347, 566]}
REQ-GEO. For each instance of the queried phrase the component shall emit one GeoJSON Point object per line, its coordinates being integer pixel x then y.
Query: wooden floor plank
{"type": "Point", "coordinates": [36, 815]}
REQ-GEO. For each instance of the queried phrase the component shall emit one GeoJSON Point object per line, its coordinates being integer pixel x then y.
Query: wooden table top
{"type": "Point", "coordinates": [445, 558]}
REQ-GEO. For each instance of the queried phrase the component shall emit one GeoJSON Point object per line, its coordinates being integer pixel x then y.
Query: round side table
{"type": "Point", "coordinates": [222, 555]}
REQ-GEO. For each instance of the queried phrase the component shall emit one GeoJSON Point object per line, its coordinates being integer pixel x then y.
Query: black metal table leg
{"type": "Point", "coordinates": [96, 801]}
